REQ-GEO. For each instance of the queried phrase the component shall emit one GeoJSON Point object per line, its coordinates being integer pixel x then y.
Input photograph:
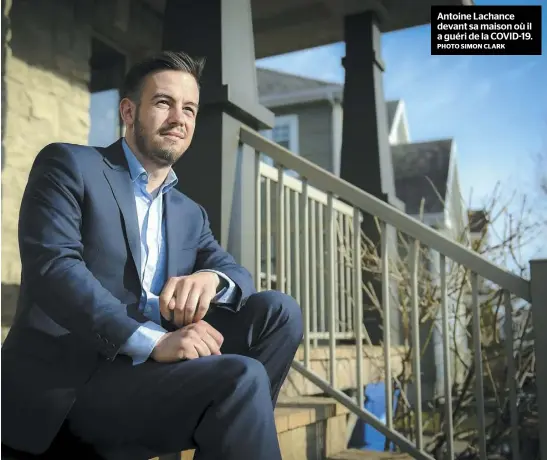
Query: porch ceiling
{"type": "Point", "coordinates": [282, 26]}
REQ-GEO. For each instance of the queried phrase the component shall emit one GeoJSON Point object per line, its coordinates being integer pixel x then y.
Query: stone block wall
{"type": "Point", "coordinates": [46, 50]}
{"type": "Point", "coordinates": [45, 76]}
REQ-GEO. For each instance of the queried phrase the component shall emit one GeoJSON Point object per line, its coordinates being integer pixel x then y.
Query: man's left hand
{"type": "Point", "coordinates": [188, 297]}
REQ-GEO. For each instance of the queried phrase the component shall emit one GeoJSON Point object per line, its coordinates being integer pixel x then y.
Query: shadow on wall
{"type": "Point", "coordinates": [45, 57]}
{"type": "Point", "coordinates": [10, 293]}
{"type": "Point", "coordinates": [53, 36]}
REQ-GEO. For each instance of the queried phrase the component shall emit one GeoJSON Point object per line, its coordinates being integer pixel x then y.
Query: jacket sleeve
{"type": "Point", "coordinates": [51, 249]}
{"type": "Point", "coordinates": [211, 256]}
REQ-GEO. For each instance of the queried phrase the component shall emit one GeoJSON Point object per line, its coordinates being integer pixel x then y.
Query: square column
{"type": "Point", "coordinates": [215, 171]}
{"type": "Point", "coordinates": [366, 160]}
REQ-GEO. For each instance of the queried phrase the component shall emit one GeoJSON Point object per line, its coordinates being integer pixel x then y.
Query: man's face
{"type": "Point", "coordinates": [166, 116]}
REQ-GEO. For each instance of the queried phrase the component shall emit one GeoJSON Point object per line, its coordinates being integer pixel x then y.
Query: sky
{"type": "Point", "coordinates": [494, 107]}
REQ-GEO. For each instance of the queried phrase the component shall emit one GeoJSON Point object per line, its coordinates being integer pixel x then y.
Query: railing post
{"type": "Point", "coordinates": [243, 223]}
{"type": "Point", "coordinates": [538, 290]}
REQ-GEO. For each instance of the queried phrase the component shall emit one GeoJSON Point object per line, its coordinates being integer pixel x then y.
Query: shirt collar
{"type": "Point", "coordinates": [136, 169]}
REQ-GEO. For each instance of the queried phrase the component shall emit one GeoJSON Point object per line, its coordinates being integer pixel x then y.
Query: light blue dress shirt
{"type": "Point", "coordinates": [153, 274]}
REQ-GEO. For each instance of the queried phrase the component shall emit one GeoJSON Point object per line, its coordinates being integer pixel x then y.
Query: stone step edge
{"type": "Point", "coordinates": [371, 352]}
{"type": "Point", "coordinates": [356, 454]}
{"type": "Point", "coordinates": [292, 413]}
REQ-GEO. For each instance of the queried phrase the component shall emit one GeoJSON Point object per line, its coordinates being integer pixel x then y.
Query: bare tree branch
{"type": "Point", "coordinates": [508, 227]}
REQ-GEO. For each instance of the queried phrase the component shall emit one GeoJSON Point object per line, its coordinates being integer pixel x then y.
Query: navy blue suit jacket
{"type": "Point", "coordinates": [80, 248]}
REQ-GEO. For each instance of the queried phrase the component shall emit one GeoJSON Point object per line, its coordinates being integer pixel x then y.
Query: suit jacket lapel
{"type": "Point", "coordinates": [171, 220]}
{"type": "Point", "coordinates": [173, 230]}
{"type": "Point", "coordinates": [117, 175]}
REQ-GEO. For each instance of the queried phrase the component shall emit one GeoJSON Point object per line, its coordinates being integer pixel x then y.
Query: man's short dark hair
{"type": "Point", "coordinates": [166, 60]}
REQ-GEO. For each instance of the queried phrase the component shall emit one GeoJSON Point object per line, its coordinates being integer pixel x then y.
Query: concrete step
{"type": "Point", "coordinates": [355, 454]}
{"type": "Point", "coordinates": [310, 428]}
{"type": "Point", "coordinates": [346, 368]}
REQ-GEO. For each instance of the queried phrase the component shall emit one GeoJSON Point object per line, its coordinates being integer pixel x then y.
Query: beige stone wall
{"type": "Point", "coordinates": [45, 75]}
{"type": "Point", "coordinates": [45, 78]}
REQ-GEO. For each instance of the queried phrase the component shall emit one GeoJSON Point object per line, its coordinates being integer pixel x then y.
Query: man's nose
{"type": "Point", "coordinates": [176, 116]}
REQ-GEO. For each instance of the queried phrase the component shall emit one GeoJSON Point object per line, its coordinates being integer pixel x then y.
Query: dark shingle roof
{"type": "Point", "coordinates": [421, 172]}
{"type": "Point", "coordinates": [274, 82]}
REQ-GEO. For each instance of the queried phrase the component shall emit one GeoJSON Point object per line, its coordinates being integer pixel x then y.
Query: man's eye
{"type": "Point", "coordinates": [163, 102]}
{"type": "Point", "coordinates": [190, 109]}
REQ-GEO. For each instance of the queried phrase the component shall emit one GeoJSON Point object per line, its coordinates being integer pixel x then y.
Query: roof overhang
{"type": "Point", "coordinates": [283, 26]}
{"type": "Point", "coordinates": [325, 93]}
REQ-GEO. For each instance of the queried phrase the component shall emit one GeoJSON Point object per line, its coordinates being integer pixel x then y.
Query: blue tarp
{"type": "Point", "coordinates": [364, 436]}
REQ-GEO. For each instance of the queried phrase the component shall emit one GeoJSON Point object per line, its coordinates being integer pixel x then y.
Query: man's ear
{"type": "Point", "coordinates": [128, 111]}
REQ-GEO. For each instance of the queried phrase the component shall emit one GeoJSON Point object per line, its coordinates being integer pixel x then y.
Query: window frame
{"type": "Point", "coordinates": [290, 120]}
{"type": "Point", "coordinates": [120, 127]}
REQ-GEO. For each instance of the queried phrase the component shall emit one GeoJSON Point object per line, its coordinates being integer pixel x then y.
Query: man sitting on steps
{"type": "Point", "coordinates": [135, 331]}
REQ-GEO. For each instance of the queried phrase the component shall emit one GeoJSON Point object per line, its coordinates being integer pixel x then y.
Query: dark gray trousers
{"type": "Point", "coordinates": [222, 406]}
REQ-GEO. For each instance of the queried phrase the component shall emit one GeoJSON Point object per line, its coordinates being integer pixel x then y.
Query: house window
{"type": "Point", "coordinates": [105, 120]}
{"type": "Point", "coordinates": [284, 133]}
{"type": "Point", "coordinates": [107, 73]}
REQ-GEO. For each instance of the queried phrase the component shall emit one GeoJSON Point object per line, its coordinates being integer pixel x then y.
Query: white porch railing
{"type": "Point", "coordinates": [285, 256]}
{"type": "Point", "coordinates": [300, 224]}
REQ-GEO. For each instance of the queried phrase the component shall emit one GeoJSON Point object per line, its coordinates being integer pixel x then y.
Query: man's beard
{"type": "Point", "coordinates": [160, 156]}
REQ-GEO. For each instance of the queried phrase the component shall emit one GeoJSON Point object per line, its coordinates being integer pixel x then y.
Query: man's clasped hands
{"type": "Point", "coordinates": [184, 301]}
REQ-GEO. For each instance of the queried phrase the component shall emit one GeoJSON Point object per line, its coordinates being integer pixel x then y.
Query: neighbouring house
{"type": "Point", "coordinates": [308, 122]}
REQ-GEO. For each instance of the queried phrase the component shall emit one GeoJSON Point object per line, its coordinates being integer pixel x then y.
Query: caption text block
{"type": "Point", "coordinates": [509, 30]}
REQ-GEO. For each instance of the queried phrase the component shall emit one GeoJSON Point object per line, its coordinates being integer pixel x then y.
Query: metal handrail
{"type": "Point", "coordinates": [333, 192]}
{"type": "Point", "coordinates": [404, 444]}
{"type": "Point", "coordinates": [328, 182]}
{"type": "Point", "coordinates": [295, 184]}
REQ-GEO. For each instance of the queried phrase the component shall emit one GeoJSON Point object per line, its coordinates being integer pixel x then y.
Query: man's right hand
{"type": "Point", "coordinates": [190, 342]}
